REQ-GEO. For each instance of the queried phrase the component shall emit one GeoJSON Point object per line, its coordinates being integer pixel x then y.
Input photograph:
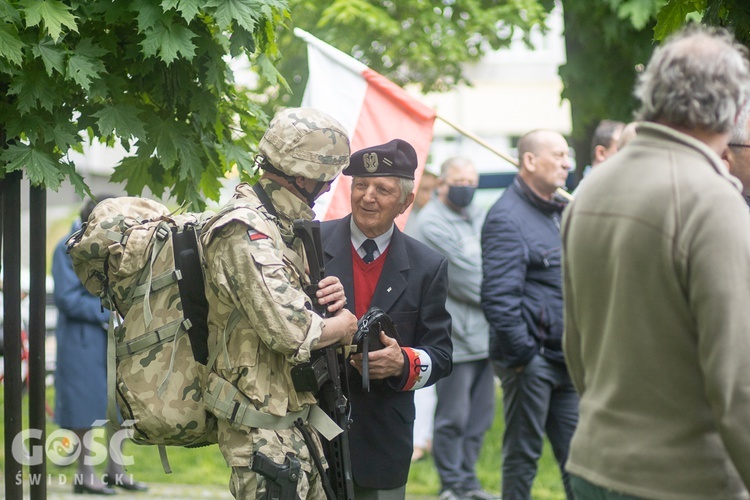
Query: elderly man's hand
{"type": "Point", "coordinates": [387, 362]}
{"type": "Point", "coordinates": [331, 294]}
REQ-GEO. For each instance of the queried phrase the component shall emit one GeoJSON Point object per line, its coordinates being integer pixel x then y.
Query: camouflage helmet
{"type": "Point", "coordinates": [306, 142]}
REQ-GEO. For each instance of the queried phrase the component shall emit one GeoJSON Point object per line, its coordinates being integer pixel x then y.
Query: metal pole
{"type": "Point", "coordinates": [37, 331]}
{"type": "Point", "coordinates": [474, 137]}
{"type": "Point", "coordinates": [12, 329]}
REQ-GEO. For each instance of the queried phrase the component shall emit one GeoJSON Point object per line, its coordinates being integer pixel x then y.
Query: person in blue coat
{"type": "Point", "coordinates": [523, 302]}
{"type": "Point", "coordinates": [81, 373]}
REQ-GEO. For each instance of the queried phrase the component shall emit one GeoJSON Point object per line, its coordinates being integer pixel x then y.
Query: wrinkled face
{"type": "Point", "coordinates": [550, 164]}
{"type": "Point", "coordinates": [376, 202]}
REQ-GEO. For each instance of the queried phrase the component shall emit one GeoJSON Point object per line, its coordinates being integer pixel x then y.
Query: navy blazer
{"type": "Point", "coordinates": [412, 289]}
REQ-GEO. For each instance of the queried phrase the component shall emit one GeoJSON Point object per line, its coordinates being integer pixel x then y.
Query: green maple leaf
{"type": "Point", "coordinates": [80, 186]}
{"type": "Point", "coordinates": [30, 126]}
{"type": "Point", "coordinates": [188, 9]}
{"type": "Point", "coordinates": [169, 40]}
{"type": "Point", "coordinates": [211, 185]}
{"type": "Point", "coordinates": [671, 17]}
{"type": "Point", "coordinates": [83, 70]}
{"type": "Point", "coordinates": [242, 40]}
{"type": "Point", "coordinates": [51, 55]}
{"type": "Point", "coordinates": [175, 143]}
{"type": "Point", "coordinates": [177, 40]}
{"type": "Point", "coordinates": [122, 120]}
{"type": "Point", "coordinates": [11, 46]}
{"type": "Point", "coordinates": [166, 136]}
{"type": "Point", "coordinates": [40, 167]}
{"type": "Point", "coordinates": [63, 136]}
{"type": "Point", "coordinates": [9, 14]}
{"type": "Point", "coordinates": [191, 166]}
{"type": "Point", "coordinates": [148, 14]}
{"type": "Point", "coordinates": [33, 89]}
{"type": "Point", "coordinates": [268, 70]}
{"type": "Point", "coordinates": [55, 15]}
{"type": "Point", "coordinates": [137, 173]}
{"type": "Point", "coordinates": [87, 47]}
{"type": "Point", "coordinates": [235, 154]}
{"type": "Point", "coordinates": [244, 12]}
{"type": "Point", "coordinates": [639, 11]}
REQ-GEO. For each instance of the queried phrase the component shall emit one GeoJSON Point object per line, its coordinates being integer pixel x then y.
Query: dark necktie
{"type": "Point", "coordinates": [370, 246]}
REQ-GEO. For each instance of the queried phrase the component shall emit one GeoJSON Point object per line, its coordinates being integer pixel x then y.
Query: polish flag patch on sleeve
{"type": "Point", "coordinates": [256, 235]}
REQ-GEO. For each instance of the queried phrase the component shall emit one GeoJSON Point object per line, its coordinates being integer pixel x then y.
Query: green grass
{"type": "Point", "coordinates": [205, 466]}
{"type": "Point", "coordinates": [424, 479]}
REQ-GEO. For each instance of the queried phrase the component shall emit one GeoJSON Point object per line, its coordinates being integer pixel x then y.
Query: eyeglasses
{"type": "Point", "coordinates": [738, 145]}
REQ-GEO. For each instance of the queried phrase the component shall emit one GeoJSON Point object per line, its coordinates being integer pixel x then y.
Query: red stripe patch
{"type": "Point", "coordinates": [255, 235]}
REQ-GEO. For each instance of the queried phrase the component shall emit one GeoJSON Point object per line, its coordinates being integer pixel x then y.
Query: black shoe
{"type": "Point", "coordinates": [83, 489]}
{"type": "Point", "coordinates": [117, 480]}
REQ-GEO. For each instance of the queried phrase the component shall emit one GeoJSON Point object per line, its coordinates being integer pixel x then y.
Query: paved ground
{"type": "Point", "coordinates": [56, 491]}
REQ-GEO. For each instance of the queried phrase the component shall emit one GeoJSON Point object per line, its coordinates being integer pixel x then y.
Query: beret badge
{"type": "Point", "coordinates": [371, 162]}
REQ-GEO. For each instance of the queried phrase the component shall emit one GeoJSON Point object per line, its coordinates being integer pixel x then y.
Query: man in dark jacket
{"type": "Point", "coordinates": [378, 265]}
{"type": "Point", "coordinates": [522, 300]}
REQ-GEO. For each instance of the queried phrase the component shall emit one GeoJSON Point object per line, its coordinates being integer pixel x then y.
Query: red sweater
{"type": "Point", "coordinates": [366, 278]}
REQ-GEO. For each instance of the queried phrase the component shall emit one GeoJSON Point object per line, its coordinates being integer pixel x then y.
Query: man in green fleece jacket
{"type": "Point", "coordinates": [656, 266]}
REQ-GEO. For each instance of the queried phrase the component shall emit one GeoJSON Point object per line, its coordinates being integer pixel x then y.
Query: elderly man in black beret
{"type": "Point", "coordinates": [381, 266]}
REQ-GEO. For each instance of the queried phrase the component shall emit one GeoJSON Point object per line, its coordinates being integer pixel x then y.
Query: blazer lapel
{"type": "Point", "coordinates": [338, 256]}
{"type": "Point", "coordinates": [392, 281]}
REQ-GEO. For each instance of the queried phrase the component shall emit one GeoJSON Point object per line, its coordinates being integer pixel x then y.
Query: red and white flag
{"type": "Point", "coordinates": [373, 109]}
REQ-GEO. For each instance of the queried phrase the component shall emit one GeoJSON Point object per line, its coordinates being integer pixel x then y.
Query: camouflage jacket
{"type": "Point", "coordinates": [250, 267]}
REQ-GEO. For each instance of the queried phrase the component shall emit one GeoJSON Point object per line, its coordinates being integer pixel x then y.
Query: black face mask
{"type": "Point", "coordinates": [461, 196]}
{"type": "Point", "coordinates": [313, 195]}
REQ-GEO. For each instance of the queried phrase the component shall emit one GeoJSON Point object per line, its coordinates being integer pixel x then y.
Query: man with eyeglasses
{"type": "Point", "coordinates": [656, 266]}
{"type": "Point", "coordinates": [737, 154]}
{"type": "Point", "coordinates": [381, 266]}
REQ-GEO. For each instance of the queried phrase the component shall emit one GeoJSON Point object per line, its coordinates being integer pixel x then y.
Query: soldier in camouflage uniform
{"type": "Point", "coordinates": [256, 265]}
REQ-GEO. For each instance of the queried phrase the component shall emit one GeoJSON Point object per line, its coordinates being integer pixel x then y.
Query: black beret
{"type": "Point", "coordinates": [394, 159]}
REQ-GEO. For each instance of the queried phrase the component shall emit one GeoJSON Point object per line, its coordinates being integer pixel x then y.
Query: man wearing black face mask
{"type": "Point", "coordinates": [452, 224]}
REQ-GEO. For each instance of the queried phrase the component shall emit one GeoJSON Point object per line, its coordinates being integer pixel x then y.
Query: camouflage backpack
{"type": "Point", "coordinates": [145, 263]}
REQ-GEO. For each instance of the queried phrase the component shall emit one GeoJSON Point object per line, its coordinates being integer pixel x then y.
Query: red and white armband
{"type": "Point", "coordinates": [418, 369]}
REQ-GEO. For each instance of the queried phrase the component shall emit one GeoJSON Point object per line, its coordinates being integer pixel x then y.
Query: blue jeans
{"type": "Point", "coordinates": [541, 398]}
{"type": "Point", "coordinates": [465, 410]}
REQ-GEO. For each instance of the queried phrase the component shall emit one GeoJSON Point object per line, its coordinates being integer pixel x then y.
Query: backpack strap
{"type": "Point", "coordinates": [226, 401]}
{"type": "Point", "coordinates": [263, 197]}
{"type": "Point", "coordinates": [150, 339]}
{"type": "Point", "coordinates": [113, 418]}
{"type": "Point", "coordinates": [161, 233]}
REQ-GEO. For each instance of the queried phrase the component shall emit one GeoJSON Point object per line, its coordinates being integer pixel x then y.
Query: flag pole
{"type": "Point", "coordinates": [488, 146]}
{"type": "Point", "coordinates": [477, 139]}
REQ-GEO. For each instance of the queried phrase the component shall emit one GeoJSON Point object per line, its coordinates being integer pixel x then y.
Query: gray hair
{"type": "Point", "coordinates": [697, 79]}
{"type": "Point", "coordinates": [407, 186]}
{"type": "Point", "coordinates": [740, 131]}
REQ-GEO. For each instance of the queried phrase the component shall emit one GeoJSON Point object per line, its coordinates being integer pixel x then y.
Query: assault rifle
{"type": "Point", "coordinates": [323, 375]}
